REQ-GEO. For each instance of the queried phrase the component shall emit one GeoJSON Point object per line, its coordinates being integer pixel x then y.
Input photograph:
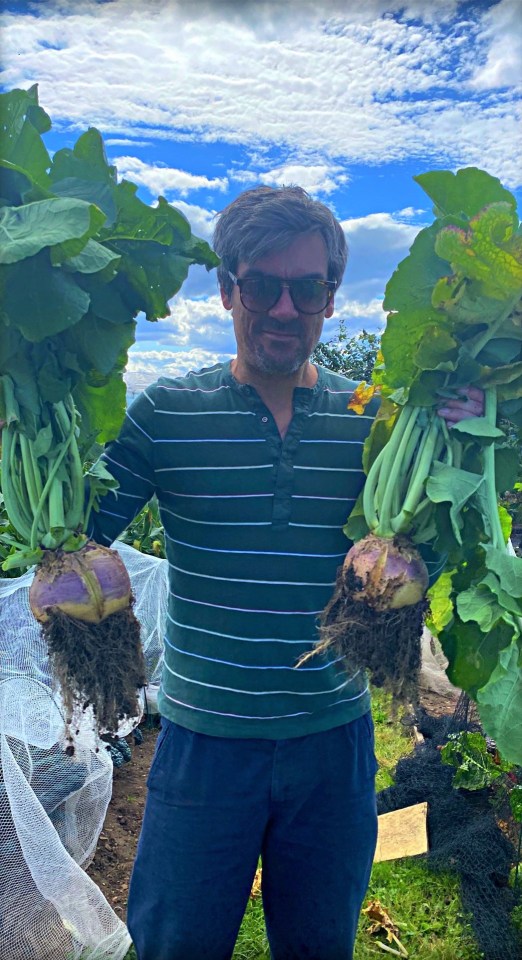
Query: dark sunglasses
{"type": "Point", "coordinates": [259, 294]}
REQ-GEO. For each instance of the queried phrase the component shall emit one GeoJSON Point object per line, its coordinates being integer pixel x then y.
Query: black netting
{"type": "Point", "coordinates": [463, 832]}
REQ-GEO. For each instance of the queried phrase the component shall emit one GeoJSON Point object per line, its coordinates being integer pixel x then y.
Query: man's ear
{"type": "Point", "coordinates": [329, 309]}
{"type": "Point", "coordinates": [226, 300]}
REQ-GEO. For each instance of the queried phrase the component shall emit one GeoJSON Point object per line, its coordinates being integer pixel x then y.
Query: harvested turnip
{"type": "Point", "coordinates": [83, 601]}
{"type": "Point", "coordinates": [375, 617]}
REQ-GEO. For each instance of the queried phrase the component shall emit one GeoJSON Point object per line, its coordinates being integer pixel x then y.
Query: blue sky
{"type": "Point", "coordinates": [199, 100]}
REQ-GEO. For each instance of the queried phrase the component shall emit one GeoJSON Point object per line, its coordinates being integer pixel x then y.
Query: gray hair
{"type": "Point", "coordinates": [265, 219]}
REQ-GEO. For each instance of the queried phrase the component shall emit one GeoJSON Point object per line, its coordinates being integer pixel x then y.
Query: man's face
{"type": "Point", "coordinates": [281, 340]}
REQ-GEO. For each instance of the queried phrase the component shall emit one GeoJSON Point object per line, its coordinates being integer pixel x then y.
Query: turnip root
{"type": "Point", "coordinates": [83, 601]}
{"type": "Point", "coordinates": [375, 617]}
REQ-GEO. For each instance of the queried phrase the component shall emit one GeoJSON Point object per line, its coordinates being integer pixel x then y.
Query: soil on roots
{"type": "Point", "coordinates": [97, 664]}
{"type": "Point", "coordinates": [386, 643]}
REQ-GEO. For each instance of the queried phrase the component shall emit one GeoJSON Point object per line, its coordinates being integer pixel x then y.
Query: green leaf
{"type": "Point", "coordinates": [40, 301]}
{"type": "Point", "coordinates": [84, 172]}
{"type": "Point", "coordinates": [468, 753]}
{"type": "Point", "coordinates": [437, 350]}
{"type": "Point", "coordinates": [454, 486]}
{"type": "Point", "coordinates": [507, 379]}
{"type": "Point", "coordinates": [93, 259]}
{"type": "Point", "coordinates": [481, 605]}
{"type": "Point", "coordinates": [102, 408]}
{"type": "Point", "coordinates": [506, 601]}
{"type": "Point", "coordinates": [440, 612]}
{"type": "Point", "coordinates": [152, 279]}
{"type": "Point", "coordinates": [136, 220]}
{"type": "Point", "coordinates": [500, 704]}
{"type": "Point", "coordinates": [515, 802]}
{"type": "Point", "coordinates": [473, 655]}
{"type": "Point", "coordinates": [23, 122]}
{"type": "Point", "coordinates": [483, 252]}
{"type": "Point", "coordinates": [24, 231]}
{"type": "Point", "coordinates": [477, 428]}
{"type": "Point", "coordinates": [506, 468]}
{"type": "Point", "coordinates": [100, 194]}
{"type": "Point", "coordinates": [500, 351]}
{"type": "Point", "coordinates": [507, 568]}
{"type": "Point", "coordinates": [411, 285]}
{"type": "Point", "coordinates": [464, 192]}
{"type": "Point", "coordinates": [99, 345]}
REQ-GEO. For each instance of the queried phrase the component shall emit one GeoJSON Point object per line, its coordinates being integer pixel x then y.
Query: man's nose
{"type": "Point", "coordinates": [284, 309]}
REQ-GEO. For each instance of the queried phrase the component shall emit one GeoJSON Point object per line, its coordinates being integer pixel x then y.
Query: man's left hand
{"type": "Point", "coordinates": [470, 403]}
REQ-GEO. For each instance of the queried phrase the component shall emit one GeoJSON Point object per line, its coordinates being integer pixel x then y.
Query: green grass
{"type": "Point", "coordinates": [424, 906]}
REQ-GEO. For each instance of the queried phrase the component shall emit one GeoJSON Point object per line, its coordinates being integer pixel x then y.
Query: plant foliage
{"type": "Point", "coordinates": [454, 319]}
{"type": "Point", "coordinates": [81, 256]}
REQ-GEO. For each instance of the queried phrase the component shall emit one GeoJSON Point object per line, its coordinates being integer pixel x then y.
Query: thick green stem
{"type": "Point", "coordinates": [74, 514]}
{"type": "Point", "coordinates": [16, 509]}
{"type": "Point", "coordinates": [390, 453]}
{"type": "Point", "coordinates": [490, 414]}
{"type": "Point", "coordinates": [31, 472]}
{"type": "Point", "coordinates": [47, 490]}
{"type": "Point", "coordinates": [370, 513]}
{"type": "Point", "coordinates": [394, 475]}
{"type": "Point", "coordinates": [402, 522]}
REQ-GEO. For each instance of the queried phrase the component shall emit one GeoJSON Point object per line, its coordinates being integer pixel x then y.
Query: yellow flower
{"type": "Point", "coordinates": [361, 396]}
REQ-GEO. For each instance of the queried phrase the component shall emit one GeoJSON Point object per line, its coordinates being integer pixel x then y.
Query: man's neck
{"type": "Point", "coordinates": [276, 390]}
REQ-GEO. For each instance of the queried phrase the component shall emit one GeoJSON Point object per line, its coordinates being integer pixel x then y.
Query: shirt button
{"type": "Point", "coordinates": [264, 419]}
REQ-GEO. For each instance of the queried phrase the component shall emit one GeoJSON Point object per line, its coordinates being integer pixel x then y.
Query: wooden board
{"type": "Point", "coordinates": [402, 833]}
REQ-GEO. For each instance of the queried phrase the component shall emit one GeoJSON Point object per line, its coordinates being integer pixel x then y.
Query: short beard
{"type": "Point", "coordinates": [286, 366]}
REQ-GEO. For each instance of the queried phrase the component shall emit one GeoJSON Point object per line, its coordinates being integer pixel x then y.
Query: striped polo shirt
{"type": "Point", "coordinates": [253, 528]}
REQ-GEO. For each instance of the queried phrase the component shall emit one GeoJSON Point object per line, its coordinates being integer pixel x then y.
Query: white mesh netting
{"type": "Point", "coordinates": [52, 806]}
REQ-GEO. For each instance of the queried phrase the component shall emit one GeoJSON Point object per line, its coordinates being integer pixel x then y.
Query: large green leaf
{"type": "Point", "coordinates": [24, 231]}
{"type": "Point", "coordinates": [473, 655]}
{"type": "Point", "coordinates": [83, 171]}
{"type": "Point", "coordinates": [410, 287]}
{"type": "Point", "coordinates": [153, 280]}
{"type": "Point", "coordinates": [455, 486]}
{"type": "Point", "coordinates": [485, 252]}
{"type": "Point", "coordinates": [507, 568]}
{"type": "Point", "coordinates": [81, 255]}
{"type": "Point", "coordinates": [23, 122]}
{"type": "Point", "coordinates": [500, 704]}
{"type": "Point", "coordinates": [40, 301]}
{"type": "Point", "coordinates": [481, 605]}
{"type": "Point", "coordinates": [98, 344]}
{"type": "Point", "coordinates": [94, 258]}
{"type": "Point", "coordinates": [102, 408]}
{"type": "Point", "coordinates": [463, 192]}
{"type": "Point", "coordinates": [136, 220]}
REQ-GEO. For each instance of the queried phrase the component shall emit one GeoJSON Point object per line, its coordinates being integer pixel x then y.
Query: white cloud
{"type": "Point", "coordinates": [318, 178]}
{"type": "Point", "coordinates": [163, 179]}
{"type": "Point", "coordinates": [202, 323]}
{"type": "Point", "coordinates": [502, 37]}
{"type": "Point", "coordinates": [201, 220]}
{"type": "Point", "coordinates": [378, 231]}
{"type": "Point", "coordinates": [355, 83]}
{"type": "Point", "coordinates": [144, 367]}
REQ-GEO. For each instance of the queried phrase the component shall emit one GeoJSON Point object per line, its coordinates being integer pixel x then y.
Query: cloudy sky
{"type": "Point", "coordinates": [198, 100]}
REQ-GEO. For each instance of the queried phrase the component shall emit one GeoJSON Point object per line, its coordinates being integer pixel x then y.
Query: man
{"type": "Point", "coordinates": [256, 464]}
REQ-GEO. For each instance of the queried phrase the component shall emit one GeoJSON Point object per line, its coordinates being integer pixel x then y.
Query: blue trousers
{"type": "Point", "coordinates": [306, 805]}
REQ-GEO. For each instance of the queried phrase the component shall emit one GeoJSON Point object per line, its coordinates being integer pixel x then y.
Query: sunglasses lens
{"type": "Point", "coordinates": [262, 293]}
{"type": "Point", "coordinates": [309, 296]}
